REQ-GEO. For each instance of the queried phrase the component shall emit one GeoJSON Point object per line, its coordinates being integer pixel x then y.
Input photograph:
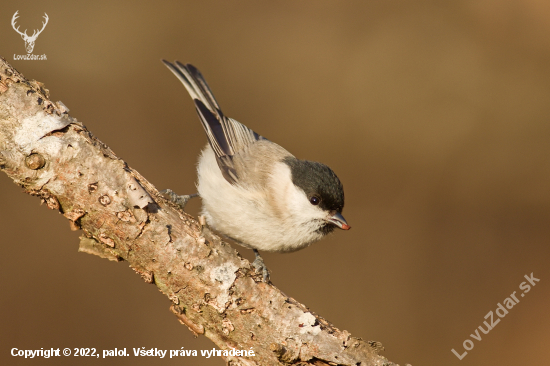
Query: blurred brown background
{"type": "Point", "coordinates": [434, 114]}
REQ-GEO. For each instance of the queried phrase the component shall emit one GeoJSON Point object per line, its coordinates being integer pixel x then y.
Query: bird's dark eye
{"type": "Point", "coordinates": [314, 200]}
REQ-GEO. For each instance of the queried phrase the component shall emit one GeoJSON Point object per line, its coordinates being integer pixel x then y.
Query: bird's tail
{"type": "Point", "coordinates": [195, 84]}
{"type": "Point", "coordinates": [226, 136]}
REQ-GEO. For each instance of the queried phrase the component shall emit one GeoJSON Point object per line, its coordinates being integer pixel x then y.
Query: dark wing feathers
{"type": "Point", "coordinates": [226, 136]}
{"type": "Point", "coordinates": [214, 129]}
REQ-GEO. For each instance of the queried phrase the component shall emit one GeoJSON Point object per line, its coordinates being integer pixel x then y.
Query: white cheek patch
{"type": "Point", "coordinates": [300, 205]}
{"type": "Point", "coordinates": [294, 200]}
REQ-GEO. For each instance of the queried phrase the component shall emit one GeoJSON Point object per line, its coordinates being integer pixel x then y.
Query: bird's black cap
{"type": "Point", "coordinates": [317, 179]}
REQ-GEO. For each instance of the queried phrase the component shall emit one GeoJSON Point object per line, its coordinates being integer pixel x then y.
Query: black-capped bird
{"type": "Point", "coordinates": [253, 190]}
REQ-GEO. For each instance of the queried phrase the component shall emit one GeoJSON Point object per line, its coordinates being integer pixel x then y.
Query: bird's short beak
{"type": "Point", "coordinates": [338, 220]}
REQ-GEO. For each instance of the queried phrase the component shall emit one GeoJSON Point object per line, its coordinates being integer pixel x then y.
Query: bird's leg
{"type": "Point", "coordinates": [181, 201]}
{"type": "Point", "coordinates": [260, 266]}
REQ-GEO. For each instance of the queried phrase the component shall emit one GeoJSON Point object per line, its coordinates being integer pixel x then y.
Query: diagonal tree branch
{"type": "Point", "coordinates": [213, 290]}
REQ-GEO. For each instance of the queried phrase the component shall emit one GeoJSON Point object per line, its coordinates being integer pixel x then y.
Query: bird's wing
{"type": "Point", "coordinates": [226, 136]}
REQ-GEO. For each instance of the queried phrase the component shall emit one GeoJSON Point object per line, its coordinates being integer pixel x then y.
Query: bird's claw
{"type": "Point", "coordinates": [181, 201]}
{"type": "Point", "coordinates": [260, 267]}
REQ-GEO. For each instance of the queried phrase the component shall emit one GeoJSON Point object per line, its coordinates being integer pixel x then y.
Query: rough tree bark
{"type": "Point", "coordinates": [212, 289]}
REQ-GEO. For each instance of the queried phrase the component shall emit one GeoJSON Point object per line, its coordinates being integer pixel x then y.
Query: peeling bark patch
{"type": "Point", "coordinates": [91, 246]}
{"type": "Point", "coordinates": [61, 107]}
{"type": "Point", "coordinates": [74, 226]}
{"type": "Point", "coordinates": [147, 276]}
{"type": "Point", "coordinates": [74, 216]}
{"type": "Point", "coordinates": [307, 323]}
{"type": "Point", "coordinates": [126, 216]}
{"type": "Point", "coordinates": [45, 197]}
{"type": "Point", "coordinates": [225, 274]}
{"type": "Point", "coordinates": [137, 195]}
{"type": "Point", "coordinates": [33, 128]}
{"type": "Point", "coordinates": [51, 202]}
{"type": "Point", "coordinates": [106, 240]}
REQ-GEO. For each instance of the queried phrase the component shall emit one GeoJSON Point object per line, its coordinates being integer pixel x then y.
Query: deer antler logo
{"type": "Point", "coordinates": [29, 41]}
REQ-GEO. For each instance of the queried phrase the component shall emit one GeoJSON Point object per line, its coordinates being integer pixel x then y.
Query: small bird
{"type": "Point", "coordinates": [254, 191]}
